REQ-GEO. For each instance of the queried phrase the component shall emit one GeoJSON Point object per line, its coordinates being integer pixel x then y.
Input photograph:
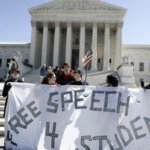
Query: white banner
{"type": "Point", "coordinates": [43, 117]}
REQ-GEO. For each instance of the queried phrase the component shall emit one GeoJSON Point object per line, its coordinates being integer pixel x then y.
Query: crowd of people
{"type": "Point", "coordinates": [57, 77]}
{"type": "Point", "coordinates": [62, 76]}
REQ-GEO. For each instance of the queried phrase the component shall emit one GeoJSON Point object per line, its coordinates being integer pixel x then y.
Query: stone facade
{"type": "Point", "coordinates": [139, 57]}
{"type": "Point", "coordinates": [8, 50]}
{"type": "Point", "coordinates": [67, 28]}
{"type": "Point", "coordinates": [63, 30]}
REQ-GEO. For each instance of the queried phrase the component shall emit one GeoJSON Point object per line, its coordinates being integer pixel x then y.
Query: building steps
{"type": "Point", "coordinates": [1, 114]}
{"type": "Point", "coordinates": [33, 76]}
{"type": "Point", "coordinates": [2, 104]}
{"type": "Point", "coordinates": [2, 122]}
{"type": "Point", "coordinates": [1, 97]}
{"type": "Point", "coordinates": [1, 131]}
{"type": "Point", "coordinates": [97, 77]}
{"type": "Point", "coordinates": [2, 108]}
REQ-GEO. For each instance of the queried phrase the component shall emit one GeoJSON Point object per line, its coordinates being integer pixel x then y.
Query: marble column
{"type": "Point", "coordinates": [114, 51]}
{"type": "Point", "coordinates": [68, 54]}
{"type": "Point", "coordinates": [38, 54]}
{"type": "Point", "coordinates": [56, 44]}
{"type": "Point", "coordinates": [106, 47]}
{"type": "Point", "coordinates": [49, 61]}
{"type": "Point", "coordinates": [94, 46]}
{"type": "Point", "coordinates": [119, 45]}
{"type": "Point", "coordinates": [82, 43]}
{"type": "Point", "coordinates": [44, 43]}
{"type": "Point", "coordinates": [33, 43]}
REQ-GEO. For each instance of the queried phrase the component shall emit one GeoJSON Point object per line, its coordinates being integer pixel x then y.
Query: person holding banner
{"type": "Point", "coordinates": [12, 65]}
{"type": "Point", "coordinates": [7, 86]}
{"type": "Point", "coordinates": [77, 74]}
{"type": "Point", "coordinates": [146, 87]}
{"type": "Point", "coordinates": [67, 75]}
{"type": "Point", "coordinates": [111, 81]}
{"type": "Point", "coordinates": [50, 79]}
{"type": "Point", "coordinates": [142, 83]}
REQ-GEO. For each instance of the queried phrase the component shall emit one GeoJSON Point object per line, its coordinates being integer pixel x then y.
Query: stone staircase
{"type": "Point", "coordinates": [32, 76]}
{"type": "Point", "coordinates": [2, 103]}
{"type": "Point", "coordinates": [93, 77]}
{"type": "Point", "coordinates": [97, 77]}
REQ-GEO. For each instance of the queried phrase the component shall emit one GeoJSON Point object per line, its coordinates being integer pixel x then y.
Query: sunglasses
{"type": "Point", "coordinates": [75, 72]}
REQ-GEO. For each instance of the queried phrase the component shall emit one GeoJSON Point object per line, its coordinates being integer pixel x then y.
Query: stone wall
{"type": "Point", "coordinates": [137, 54]}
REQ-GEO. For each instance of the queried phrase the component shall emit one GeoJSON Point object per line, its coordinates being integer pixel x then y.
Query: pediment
{"type": "Point", "coordinates": [76, 5]}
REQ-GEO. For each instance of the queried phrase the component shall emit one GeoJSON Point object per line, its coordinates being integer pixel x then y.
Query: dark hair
{"type": "Point", "coordinates": [13, 59]}
{"type": "Point", "coordinates": [45, 80]}
{"type": "Point", "coordinates": [16, 70]}
{"type": "Point", "coordinates": [50, 75]}
{"type": "Point", "coordinates": [66, 64]}
{"type": "Point", "coordinates": [112, 80]}
{"type": "Point", "coordinates": [78, 71]}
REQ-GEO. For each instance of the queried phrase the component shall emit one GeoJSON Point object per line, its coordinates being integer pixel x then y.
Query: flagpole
{"type": "Point", "coordinates": [86, 61]}
{"type": "Point", "coordinates": [86, 74]}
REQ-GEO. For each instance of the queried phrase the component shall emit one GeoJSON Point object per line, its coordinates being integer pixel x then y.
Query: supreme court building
{"type": "Point", "coordinates": [63, 30]}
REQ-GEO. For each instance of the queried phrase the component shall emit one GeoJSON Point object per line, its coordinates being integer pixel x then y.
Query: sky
{"type": "Point", "coordinates": [15, 20]}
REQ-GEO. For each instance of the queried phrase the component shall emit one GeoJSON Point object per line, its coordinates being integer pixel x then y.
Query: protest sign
{"type": "Point", "coordinates": [43, 117]}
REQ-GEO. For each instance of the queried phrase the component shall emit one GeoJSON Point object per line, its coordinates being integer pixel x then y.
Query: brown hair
{"type": "Point", "coordinates": [66, 64]}
{"type": "Point", "coordinates": [78, 71]}
{"type": "Point", "coordinates": [50, 75]}
{"type": "Point", "coordinates": [13, 59]}
{"type": "Point", "coordinates": [46, 79]}
{"type": "Point", "coordinates": [16, 70]}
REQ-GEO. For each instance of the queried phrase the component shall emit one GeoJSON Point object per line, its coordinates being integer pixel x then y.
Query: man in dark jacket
{"type": "Point", "coordinates": [66, 76]}
{"type": "Point", "coordinates": [7, 86]}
